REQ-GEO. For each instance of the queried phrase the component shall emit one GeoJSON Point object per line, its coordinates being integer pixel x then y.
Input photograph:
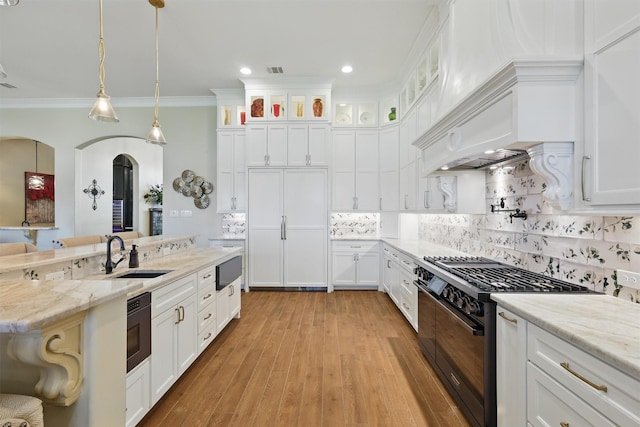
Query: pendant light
{"type": "Point", "coordinates": [36, 182]}
{"type": "Point", "coordinates": [9, 2]}
{"type": "Point", "coordinates": [102, 109]}
{"type": "Point", "coordinates": [155, 135]}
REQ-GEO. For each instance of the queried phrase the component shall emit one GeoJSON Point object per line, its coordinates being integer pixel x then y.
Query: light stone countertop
{"type": "Point", "coordinates": [36, 259]}
{"type": "Point", "coordinates": [602, 325]}
{"type": "Point", "coordinates": [31, 304]}
{"type": "Point", "coordinates": [419, 249]}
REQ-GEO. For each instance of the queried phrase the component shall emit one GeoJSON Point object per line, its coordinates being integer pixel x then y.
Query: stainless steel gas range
{"type": "Point", "coordinates": [457, 324]}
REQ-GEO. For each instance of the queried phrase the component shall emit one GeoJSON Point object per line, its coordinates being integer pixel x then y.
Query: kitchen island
{"type": "Point", "coordinates": [65, 342]}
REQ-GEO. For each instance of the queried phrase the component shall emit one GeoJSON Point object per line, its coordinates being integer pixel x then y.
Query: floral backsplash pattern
{"type": "Point", "coordinates": [354, 225]}
{"type": "Point", "coordinates": [234, 224]}
{"type": "Point", "coordinates": [587, 250]}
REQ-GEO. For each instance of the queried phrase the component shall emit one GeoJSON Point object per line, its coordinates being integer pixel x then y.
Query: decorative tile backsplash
{"type": "Point", "coordinates": [234, 224]}
{"type": "Point", "coordinates": [354, 225]}
{"type": "Point", "coordinates": [580, 249]}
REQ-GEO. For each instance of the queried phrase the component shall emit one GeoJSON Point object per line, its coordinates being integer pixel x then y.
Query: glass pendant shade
{"type": "Point", "coordinates": [9, 2]}
{"type": "Point", "coordinates": [155, 135]}
{"type": "Point", "coordinates": [102, 109]}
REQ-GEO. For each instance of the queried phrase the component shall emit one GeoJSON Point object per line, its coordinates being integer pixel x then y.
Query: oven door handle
{"type": "Point", "coordinates": [473, 329]}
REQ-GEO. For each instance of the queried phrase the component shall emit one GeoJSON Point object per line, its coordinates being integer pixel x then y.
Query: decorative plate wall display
{"type": "Point", "coordinates": [191, 185]}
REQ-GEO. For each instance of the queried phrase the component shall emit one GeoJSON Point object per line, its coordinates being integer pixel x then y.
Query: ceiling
{"type": "Point", "coordinates": [49, 49]}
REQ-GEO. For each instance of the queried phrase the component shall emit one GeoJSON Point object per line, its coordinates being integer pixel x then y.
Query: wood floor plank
{"type": "Point", "coordinates": [311, 359]}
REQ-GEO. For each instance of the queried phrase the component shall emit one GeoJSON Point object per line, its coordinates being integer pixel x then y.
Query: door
{"type": "Point", "coordinates": [265, 219]}
{"type": "Point", "coordinates": [305, 227]}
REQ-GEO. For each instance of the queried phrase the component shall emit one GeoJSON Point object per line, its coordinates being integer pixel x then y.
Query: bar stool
{"type": "Point", "coordinates": [18, 410]}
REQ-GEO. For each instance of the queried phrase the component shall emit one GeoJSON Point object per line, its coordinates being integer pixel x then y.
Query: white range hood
{"type": "Point", "coordinates": [529, 104]}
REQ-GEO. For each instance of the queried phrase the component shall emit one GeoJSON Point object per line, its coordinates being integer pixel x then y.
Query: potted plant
{"type": "Point", "coordinates": [154, 195]}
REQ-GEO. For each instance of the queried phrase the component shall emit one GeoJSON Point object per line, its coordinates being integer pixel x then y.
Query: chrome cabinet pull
{"type": "Point", "coordinates": [207, 337]}
{"type": "Point", "coordinates": [206, 276]}
{"type": "Point", "coordinates": [308, 159]}
{"type": "Point", "coordinates": [508, 319]}
{"type": "Point", "coordinates": [426, 199]}
{"type": "Point", "coordinates": [282, 227]}
{"type": "Point", "coordinates": [586, 199]}
{"type": "Point", "coordinates": [380, 205]}
{"type": "Point", "coordinates": [598, 387]}
{"type": "Point", "coordinates": [355, 205]}
{"type": "Point", "coordinates": [284, 218]}
{"type": "Point", "coordinates": [207, 296]}
{"type": "Point", "coordinates": [207, 317]}
{"type": "Point", "coordinates": [388, 263]}
{"type": "Point", "coordinates": [405, 201]}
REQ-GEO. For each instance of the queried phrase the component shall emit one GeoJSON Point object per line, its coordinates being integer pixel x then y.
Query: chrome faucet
{"type": "Point", "coordinates": [110, 265]}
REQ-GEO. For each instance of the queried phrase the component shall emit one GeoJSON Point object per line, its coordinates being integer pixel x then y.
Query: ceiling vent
{"type": "Point", "coordinates": [275, 70]}
{"type": "Point", "coordinates": [8, 85]}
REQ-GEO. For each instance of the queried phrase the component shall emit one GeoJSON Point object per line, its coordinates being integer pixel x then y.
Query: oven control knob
{"type": "Point", "coordinates": [472, 307]}
{"type": "Point", "coordinates": [461, 301]}
{"type": "Point", "coordinates": [452, 295]}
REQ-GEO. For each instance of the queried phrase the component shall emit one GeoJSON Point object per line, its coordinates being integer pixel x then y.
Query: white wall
{"type": "Point", "coordinates": [191, 136]}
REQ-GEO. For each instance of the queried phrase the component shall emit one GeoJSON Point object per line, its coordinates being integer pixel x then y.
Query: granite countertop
{"type": "Point", "coordinates": [355, 238]}
{"type": "Point", "coordinates": [228, 237]}
{"type": "Point", "coordinates": [602, 325]}
{"type": "Point", "coordinates": [40, 258]}
{"type": "Point", "coordinates": [31, 304]}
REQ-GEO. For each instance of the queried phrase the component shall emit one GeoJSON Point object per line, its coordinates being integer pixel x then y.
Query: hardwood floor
{"type": "Point", "coordinates": [347, 358]}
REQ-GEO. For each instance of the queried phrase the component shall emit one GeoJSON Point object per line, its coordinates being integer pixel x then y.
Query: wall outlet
{"type": "Point", "coordinates": [58, 275]}
{"type": "Point", "coordinates": [629, 279]}
{"type": "Point", "coordinates": [166, 251]}
{"type": "Point", "coordinates": [173, 212]}
{"type": "Point", "coordinates": [186, 213]}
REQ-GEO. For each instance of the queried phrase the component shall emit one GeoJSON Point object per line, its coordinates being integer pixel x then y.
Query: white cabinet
{"type": "Point", "coordinates": [360, 114]}
{"type": "Point", "coordinates": [266, 145]}
{"type": "Point", "coordinates": [206, 307]}
{"type": "Point", "coordinates": [355, 265]}
{"type": "Point", "coordinates": [389, 169]}
{"type": "Point", "coordinates": [228, 304]}
{"type": "Point", "coordinates": [610, 174]}
{"type": "Point", "coordinates": [355, 171]}
{"type": "Point", "coordinates": [173, 333]}
{"type": "Point", "coordinates": [231, 196]}
{"type": "Point", "coordinates": [408, 163]}
{"type": "Point", "coordinates": [138, 393]}
{"type": "Point", "coordinates": [511, 364]}
{"type": "Point", "coordinates": [439, 192]}
{"type": "Point", "coordinates": [308, 145]}
{"type": "Point", "coordinates": [398, 272]}
{"type": "Point", "coordinates": [287, 227]}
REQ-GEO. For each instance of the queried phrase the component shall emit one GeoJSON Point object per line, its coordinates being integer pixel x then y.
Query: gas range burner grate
{"type": "Point", "coordinates": [493, 276]}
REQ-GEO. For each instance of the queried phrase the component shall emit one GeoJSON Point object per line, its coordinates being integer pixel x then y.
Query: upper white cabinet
{"type": "Point", "coordinates": [609, 166]}
{"type": "Point", "coordinates": [308, 144]}
{"type": "Point", "coordinates": [389, 169]}
{"type": "Point", "coordinates": [360, 114]}
{"type": "Point", "coordinates": [355, 171]}
{"type": "Point", "coordinates": [408, 163]}
{"type": "Point", "coordinates": [231, 196]}
{"type": "Point", "coordinates": [266, 144]}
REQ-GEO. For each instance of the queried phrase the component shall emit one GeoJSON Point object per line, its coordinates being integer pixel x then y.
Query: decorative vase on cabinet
{"type": "Point", "coordinates": [317, 107]}
{"type": "Point", "coordinates": [392, 114]}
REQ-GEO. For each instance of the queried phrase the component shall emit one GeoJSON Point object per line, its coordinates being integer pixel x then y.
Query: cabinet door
{"type": "Point", "coordinates": [305, 237]}
{"type": "Point", "coordinates": [256, 145]}
{"type": "Point", "coordinates": [187, 343]}
{"type": "Point", "coordinates": [222, 308]}
{"type": "Point", "coordinates": [164, 354]}
{"type": "Point", "coordinates": [318, 145]}
{"type": "Point", "coordinates": [395, 283]}
{"type": "Point", "coordinates": [387, 275]}
{"type": "Point", "coordinates": [367, 179]}
{"type": "Point", "coordinates": [138, 400]}
{"type": "Point", "coordinates": [239, 173]}
{"type": "Point", "coordinates": [344, 268]}
{"type": "Point", "coordinates": [368, 269]}
{"type": "Point", "coordinates": [344, 176]}
{"type": "Point", "coordinates": [297, 145]}
{"type": "Point", "coordinates": [235, 299]}
{"type": "Point", "coordinates": [389, 170]}
{"type": "Point", "coordinates": [225, 187]}
{"type": "Point", "coordinates": [430, 198]}
{"type": "Point", "coordinates": [612, 102]}
{"type": "Point", "coordinates": [266, 221]}
{"type": "Point", "coordinates": [277, 145]}
{"type": "Point", "coordinates": [511, 368]}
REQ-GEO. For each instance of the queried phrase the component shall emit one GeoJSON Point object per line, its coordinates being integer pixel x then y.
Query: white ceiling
{"type": "Point", "coordinates": [49, 49]}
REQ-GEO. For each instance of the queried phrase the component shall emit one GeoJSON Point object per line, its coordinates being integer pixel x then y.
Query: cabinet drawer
{"type": "Point", "coordinates": [550, 404]}
{"type": "Point", "coordinates": [206, 336]}
{"type": "Point", "coordinates": [206, 295]}
{"type": "Point", "coordinates": [206, 276]}
{"type": "Point", "coordinates": [354, 246]}
{"type": "Point", "coordinates": [206, 318]}
{"type": "Point", "coordinates": [167, 296]}
{"type": "Point", "coordinates": [620, 402]}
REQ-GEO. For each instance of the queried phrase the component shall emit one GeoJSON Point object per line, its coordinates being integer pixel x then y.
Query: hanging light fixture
{"type": "Point", "coordinates": [9, 2]}
{"type": "Point", "coordinates": [155, 135]}
{"type": "Point", "coordinates": [102, 109]}
{"type": "Point", "coordinates": [36, 182]}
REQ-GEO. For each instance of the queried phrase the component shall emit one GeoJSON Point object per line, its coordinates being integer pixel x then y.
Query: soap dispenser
{"type": "Point", "coordinates": [133, 257]}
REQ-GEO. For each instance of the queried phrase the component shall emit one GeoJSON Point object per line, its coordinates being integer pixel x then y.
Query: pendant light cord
{"type": "Point", "coordinates": [101, 53]}
{"type": "Point", "coordinates": [157, 70]}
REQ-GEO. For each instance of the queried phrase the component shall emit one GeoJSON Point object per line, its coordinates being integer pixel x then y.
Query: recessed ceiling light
{"type": "Point", "coordinates": [489, 151]}
{"type": "Point", "coordinates": [245, 70]}
{"type": "Point", "coordinates": [444, 168]}
{"type": "Point", "coordinates": [347, 69]}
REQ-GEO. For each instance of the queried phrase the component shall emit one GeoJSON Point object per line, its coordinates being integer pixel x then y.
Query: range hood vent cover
{"type": "Point", "coordinates": [500, 157]}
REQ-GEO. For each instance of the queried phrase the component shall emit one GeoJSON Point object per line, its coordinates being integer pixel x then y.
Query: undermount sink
{"type": "Point", "coordinates": [142, 274]}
